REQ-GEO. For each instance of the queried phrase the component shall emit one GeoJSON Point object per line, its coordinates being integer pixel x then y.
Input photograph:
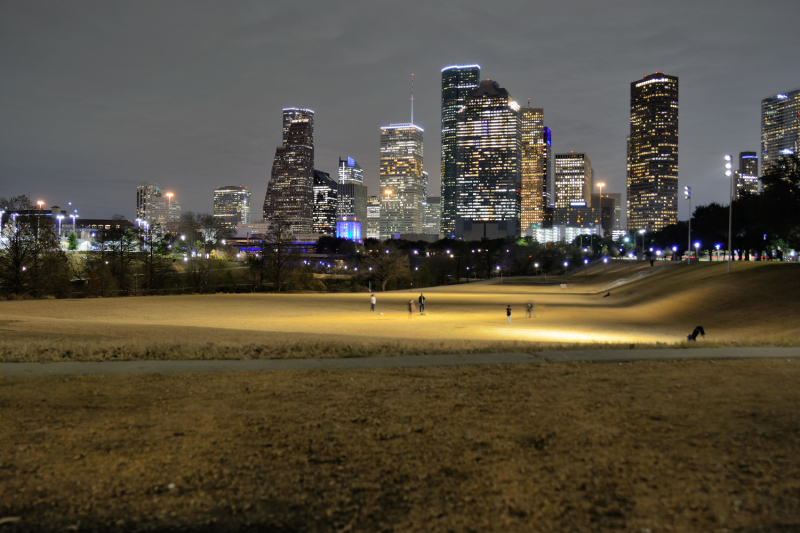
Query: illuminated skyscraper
{"type": "Point", "coordinates": [488, 160]}
{"type": "Point", "coordinates": [547, 168]}
{"type": "Point", "coordinates": [457, 82]}
{"type": "Point", "coordinates": [780, 127]}
{"type": "Point", "coordinates": [572, 177]}
{"type": "Point", "coordinates": [232, 205]}
{"type": "Point", "coordinates": [352, 191]}
{"type": "Point", "coordinates": [145, 194]}
{"type": "Point", "coordinates": [433, 216]}
{"type": "Point", "coordinates": [350, 171]}
{"type": "Point", "coordinates": [296, 114]}
{"type": "Point", "coordinates": [532, 184]}
{"type": "Point", "coordinates": [373, 217]}
{"type": "Point", "coordinates": [325, 203]}
{"type": "Point", "coordinates": [290, 192]}
{"type": "Point", "coordinates": [401, 179]}
{"type": "Point", "coordinates": [653, 153]}
{"type": "Point", "coordinates": [747, 175]}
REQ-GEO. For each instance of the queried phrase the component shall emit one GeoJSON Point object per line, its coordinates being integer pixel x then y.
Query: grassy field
{"type": "Point", "coordinates": [660, 447]}
{"type": "Point", "coordinates": [643, 447]}
{"type": "Point", "coordinates": [755, 305]}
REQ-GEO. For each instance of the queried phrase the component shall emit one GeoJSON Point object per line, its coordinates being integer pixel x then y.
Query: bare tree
{"type": "Point", "coordinates": [386, 263]}
{"type": "Point", "coordinates": [279, 255]}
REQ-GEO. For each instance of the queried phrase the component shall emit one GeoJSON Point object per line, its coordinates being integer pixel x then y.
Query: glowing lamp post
{"type": "Point", "coordinates": [169, 206]}
{"type": "Point", "coordinates": [605, 265]}
{"type": "Point", "coordinates": [697, 250]}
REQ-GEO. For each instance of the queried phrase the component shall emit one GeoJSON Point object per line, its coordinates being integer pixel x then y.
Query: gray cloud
{"type": "Point", "coordinates": [96, 97]}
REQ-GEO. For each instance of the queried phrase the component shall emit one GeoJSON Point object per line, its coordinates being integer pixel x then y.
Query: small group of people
{"type": "Point", "coordinates": [529, 311]}
{"type": "Point", "coordinates": [421, 300]}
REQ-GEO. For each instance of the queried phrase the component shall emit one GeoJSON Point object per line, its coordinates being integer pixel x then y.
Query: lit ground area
{"type": "Point", "coordinates": [681, 447]}
{"type": "Point", "coordinates": [757, 304]}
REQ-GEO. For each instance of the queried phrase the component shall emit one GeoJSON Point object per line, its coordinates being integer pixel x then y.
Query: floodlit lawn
{"type": "Point", "coordinates": [757, 304]}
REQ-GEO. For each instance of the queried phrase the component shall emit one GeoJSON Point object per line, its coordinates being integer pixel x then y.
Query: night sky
{"type": "Point", "coordinates": [97, 97]}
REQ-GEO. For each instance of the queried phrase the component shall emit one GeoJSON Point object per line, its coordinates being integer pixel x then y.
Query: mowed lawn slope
{"type": "Point", "coordinates": [756, 304]}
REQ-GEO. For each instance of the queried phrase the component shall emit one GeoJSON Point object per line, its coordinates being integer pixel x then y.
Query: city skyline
{"type": "Point", "coordinates": [84, 121]}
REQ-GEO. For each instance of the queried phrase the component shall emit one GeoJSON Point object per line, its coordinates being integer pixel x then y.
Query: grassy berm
{"type": "Point", "coordinates": [679, 447]}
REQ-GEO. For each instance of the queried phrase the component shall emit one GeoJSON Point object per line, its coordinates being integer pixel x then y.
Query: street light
{"type": "Point", "coordinates": [696, 250]}
{"type": "Point", "coordinates": [687, 193]}
{"type": "Point", "coordinates": [600, 207]}
{"type": "Point", "coordinates": [605, 265]}
{"type": "Point", "coordinates": [717, 247]}
{"type": "Point", "coordinates": [73, 217]}
{"type": "Point", "coordinates": [728, 172]}
{"type": "Point", "coordinates": [59, 217]}
{"type": "Point", "coordinates": [169, 206]}
{"type": "Point", "coordinates": [585, 265]}
{"type": "Point", "coordinates": [642, 231]}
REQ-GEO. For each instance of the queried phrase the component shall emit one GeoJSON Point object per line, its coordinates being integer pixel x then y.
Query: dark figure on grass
{"type": "Point", "coordinates": [697, 331]}
{"type": "Point", "coordinates": [410, 308]}
{"type": "Point", "coordinates": [421, 304]}
{"type": "Point", "coordinates": [508, 313]}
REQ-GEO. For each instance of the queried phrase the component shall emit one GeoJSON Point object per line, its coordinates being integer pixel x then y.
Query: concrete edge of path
{"type": "Point", "coordinates": [669, 354]}
{"type": "Point", "coordinates": [80, 368]}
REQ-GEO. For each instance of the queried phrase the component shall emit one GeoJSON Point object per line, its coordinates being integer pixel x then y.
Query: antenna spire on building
{"type": "Point", "coordinates": [412, 97]}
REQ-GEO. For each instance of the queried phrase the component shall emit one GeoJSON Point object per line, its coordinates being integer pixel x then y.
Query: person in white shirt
{"type": "Point", "coordinates": [372, 301]}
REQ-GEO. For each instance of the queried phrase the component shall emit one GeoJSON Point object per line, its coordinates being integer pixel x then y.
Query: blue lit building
{"type": "Point", "coordinates": [348, 228]}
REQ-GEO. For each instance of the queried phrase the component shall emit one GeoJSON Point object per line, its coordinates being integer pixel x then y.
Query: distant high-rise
{"type": "Point", "coordinates": [488, 160]}
{"type": "Point", "coordinates": [290, 192]}
{"type": "Point", "coordinates": [433, 216]}
{"type": "Point", "coordinates": [373, 217]}
{"type": "Point", "coordinates": [532, 184]}
{"type": "Point", "coordinates": [145, 193]}
{"type": "Point", "coordinates": [457, 82]}
{"type": "Point", "coordinates": [780, 127]}
{"type": "Point", "coordinates": [401, 179]}
{"type": "Point", "coordinates": [547, 168]}
{"type": "Point", "coordinates": [653, 153]}
{"type": "Point", "coordinates": [352, 201]}
{"type": "Point", "coordinates": [325, 203]}
{"type": "Point", "coordinates": [296, 114]}
{"type": "Point", "coordinates": [747, 175]}
{"type": "Point", "coordinates": [232, 205]}
{"type": "Point", "coordinates": [162, 210]}
{"type": "Point", "coordinates": [350, 171]}
{"type": "Point", "coordinates": [572, 177]}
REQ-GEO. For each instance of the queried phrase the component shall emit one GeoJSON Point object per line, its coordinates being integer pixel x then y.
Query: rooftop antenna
{"type": "Point", "coordinates": [529, 102]}
{"type": "Point", "coordinates": [412, 97]}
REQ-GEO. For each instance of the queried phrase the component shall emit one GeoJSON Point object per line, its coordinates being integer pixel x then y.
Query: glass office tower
{"type": "Point", "coordinates": [457, 82]}
{"type": "Point", "coordinates": [401, 179]}
{"type": "Point", "coordinates": [780, 127]}
{"type": "Point", "coordinates": [653, 153]}
{"type": "Point", "coordinates": [532, 184]}
{"type": "Point", "coordinates": [326, 201]}
{"type": "Point", "coordinates": [572, 177]}
{"type": "Point", "coordinates": [488, 159]}
{"type": "Point", "coordinates": [747, 175]}
{"type": "Point", "coordinates": [232, 205]}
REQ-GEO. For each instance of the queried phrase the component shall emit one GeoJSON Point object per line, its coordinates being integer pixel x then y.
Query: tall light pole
{"type": "Point", "coordinates": [600, 207]}
{"type": "Point", "coordinates": [73, 217]}
{"type": "Point", "coordinates": [642, 231]}
{"type": "Point", "coordinates": [59, 217]}
{"type": "Point", "coordinates": [687, 193]}
{"type": "Point", "coordinates": [728, 173]}
{"type": "Point", "coordinates": [169, 206]}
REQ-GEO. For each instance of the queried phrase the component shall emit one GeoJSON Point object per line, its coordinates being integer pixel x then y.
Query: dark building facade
{"type": "Point", "coordinates": [488, 159]}
{"type": "Point", "coordinates": [326, 202]}
{"type": "Point", "coordinates": [290, 192]}
{"type": "Point", "coordinates": [653, 153]}
{"type": "Point", "coordinates": [457, 82]}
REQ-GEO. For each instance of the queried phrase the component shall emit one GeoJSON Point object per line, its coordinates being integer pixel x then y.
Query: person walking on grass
{"type": "Point", "coordinates": [529, 310]}
{"type": "Point", "coordinates": [410, 308]}
{"type": "Point", "coordinates": [372, 302]}
{"type": "Point", "coordinates": [421, 304]}
{"type": "Point", "coordinates": [508, 313]}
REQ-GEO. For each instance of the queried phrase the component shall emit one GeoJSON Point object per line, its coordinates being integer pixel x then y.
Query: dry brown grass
{"type": "Point", "coordinates": [679, 447]}
{"type": "Point", "coordinates": [756, 305]}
